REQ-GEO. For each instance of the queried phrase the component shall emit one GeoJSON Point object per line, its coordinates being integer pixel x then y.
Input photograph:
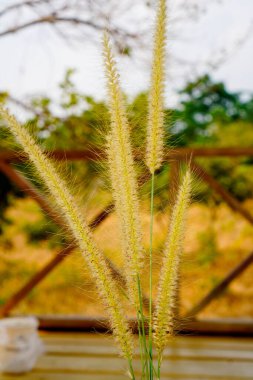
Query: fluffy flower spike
{"type": "Point", "coordinates": [67, 206]}
{"type": "Point", "coordinates": [122, 175]}
{"type": "Point", "coordinates": [163, 321]}
{"type": "Point", "coordinates": [155, 131]}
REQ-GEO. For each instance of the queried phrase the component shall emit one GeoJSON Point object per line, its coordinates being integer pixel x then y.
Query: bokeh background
{"type": "Point", "coordinates": [52, 78]}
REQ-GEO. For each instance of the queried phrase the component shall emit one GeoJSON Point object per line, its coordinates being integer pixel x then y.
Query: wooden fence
{"type": "Point", "coordinates": [174, 157]}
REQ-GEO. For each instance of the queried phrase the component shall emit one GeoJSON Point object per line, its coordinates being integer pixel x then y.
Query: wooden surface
{"type": "Point", "coordinates": [83, 356]}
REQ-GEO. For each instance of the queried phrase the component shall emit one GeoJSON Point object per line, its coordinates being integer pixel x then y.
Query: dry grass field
{"type": "Point", "coordinates": [217, 239]}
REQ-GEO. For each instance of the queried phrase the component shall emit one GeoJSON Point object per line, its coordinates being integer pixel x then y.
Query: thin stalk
{"type": "Point", "coordinates": [131, 369]}
{"type": "Point", "coordinates": [150, 277]}
{"type": "Point", "coordinates": [142, 348]}
{"type": "Point", "coordinates": [143, 333]}
{"type": "Point", "coordinates": [140, 344]}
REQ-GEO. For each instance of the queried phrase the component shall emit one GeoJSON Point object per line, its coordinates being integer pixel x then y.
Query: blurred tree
{"type": "Point", "coordinates": [82, 21]}
{"type": "Point", "coordinates": [71, 20]}
{"type": "Point", "coordinates": [82, 17]}
{"type": "Point", "coordinates": [73, 122]}
{"type": "Point", "coordinates": [207, 114]}
{"type": "Point", "coordinates": [205, 106]}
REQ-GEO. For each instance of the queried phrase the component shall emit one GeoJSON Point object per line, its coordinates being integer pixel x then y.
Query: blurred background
{"type": "Point", "coordinates": [52, 78]}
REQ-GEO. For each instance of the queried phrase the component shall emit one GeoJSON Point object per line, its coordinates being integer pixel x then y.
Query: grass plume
{"type": "Point", "coordinates": [155, 131]}
{"type": "Point", "coordinates": [60, 194]}
{"type": "Point", "coordinates": [155, 135]}
{"type": "Point", "coordinates": [122, 174]}
{"type": "Point", "coordinates": [163, 321]}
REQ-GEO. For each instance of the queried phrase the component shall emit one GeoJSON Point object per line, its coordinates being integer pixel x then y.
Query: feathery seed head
{"type": "Point", "coordinates": [163, 321]}
{"type": "Point", "coordinates": [68, 208]}
{"type": "Point", "coordinates": [122, 174]}
{"type": "Point", "coordinates": [155, 130]}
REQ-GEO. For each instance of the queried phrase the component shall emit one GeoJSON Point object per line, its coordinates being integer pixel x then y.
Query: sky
{"type": "Point", "coordinates": [34, 61]}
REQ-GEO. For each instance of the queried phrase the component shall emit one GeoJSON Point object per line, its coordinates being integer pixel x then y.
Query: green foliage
{"type": "Point", "coordinates": [44, 230]}
{"type": "Point", "coordinates": [73, 122]}
{"type": "Point", "coordinates": [205, 104]}
{"type": "Point", "coordinates": [208, 114]}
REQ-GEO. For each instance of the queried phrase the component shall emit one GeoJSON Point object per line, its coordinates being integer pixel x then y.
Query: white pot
{"type": "Point", "coordinates": [20, 344]}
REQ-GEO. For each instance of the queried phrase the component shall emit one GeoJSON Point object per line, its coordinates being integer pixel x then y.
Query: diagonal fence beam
{"type": "Point", "coordinates": [235, 206]}
{"type": "Point", "coordinates": [221, 286]}
{"type": "Point", "coordinates": [174, 180]}
{"type": "Point", "coordinates": [233, 203]}
{"type": "Point", "coordinates": [17, 297]}
{"type": "Point", "coordinates": [27, 187]}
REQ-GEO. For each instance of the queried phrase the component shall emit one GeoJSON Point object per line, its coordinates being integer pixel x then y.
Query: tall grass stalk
{"type": "Point", "coordinates": [123, 178]}
{"type": "Point", "coordinates": [150, 327]}
{"type": "Point", "coordinates": [155, 133]}
{"type": "Point", "coordinates": [163, 321]}
{"type": "Point", "coordinates": [124, 189]}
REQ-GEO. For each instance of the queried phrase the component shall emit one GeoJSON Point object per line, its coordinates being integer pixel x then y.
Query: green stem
{"type": "Point", "coordinates": [143, 333]}
{"type": "Point", "coordinates": [150, 277]}
{"type": "Point", "coordinates": [131, 369]}
{"type": "Point", "coordinates": [140, 343]}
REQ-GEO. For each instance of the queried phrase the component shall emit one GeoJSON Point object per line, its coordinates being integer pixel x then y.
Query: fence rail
{"type": "Point", "coordinates": [174, 157]}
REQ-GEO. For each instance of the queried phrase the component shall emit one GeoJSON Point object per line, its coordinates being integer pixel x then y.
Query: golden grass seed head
{"type": "Point", "coordinates": [78, 227]}
{"type": "Point", "coordinates": [155, 130]}
{"type": "Point", "coordinates": [163, 319]}
{"type": "Point", "coordinates": [122, 174]}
